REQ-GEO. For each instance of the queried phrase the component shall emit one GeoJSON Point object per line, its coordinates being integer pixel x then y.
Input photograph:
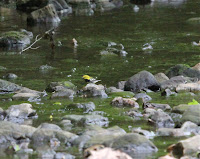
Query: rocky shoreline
{"type": "Point", "coordinates": [47, 139]}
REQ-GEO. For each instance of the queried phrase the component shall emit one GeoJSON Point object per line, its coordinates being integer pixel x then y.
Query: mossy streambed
{"type": "Point", "coordinates": [162, 26]}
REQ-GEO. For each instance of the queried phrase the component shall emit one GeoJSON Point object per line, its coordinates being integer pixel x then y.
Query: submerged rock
{"type": "Point", "coordinates": [87, 119]}
{"type": "Point", "coordinates": [10, 76]}
{"type": "Point", "coordinates": [15, 38]}
{"type": "Point", "coordinates": [140, 81]}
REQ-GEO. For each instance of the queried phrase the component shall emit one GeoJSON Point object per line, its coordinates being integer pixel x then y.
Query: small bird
{"type": "Point", "coordinates": [89, 79]}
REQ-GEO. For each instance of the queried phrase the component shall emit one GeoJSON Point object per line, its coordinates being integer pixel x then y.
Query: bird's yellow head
{"type": "Point", "coordinates": [86, 77]}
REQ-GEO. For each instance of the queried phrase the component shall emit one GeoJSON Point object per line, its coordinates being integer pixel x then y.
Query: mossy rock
{"type": "Point", "coordinates": [124, 94]}
{"type": "Point", "coordinates": [184, 70]}
{"type": "Point", "coordinates": [195, 20]}
{"type": "Point", "coordinates": [13, 38]}
{"type": "Point", "coordinates": [180, 108]}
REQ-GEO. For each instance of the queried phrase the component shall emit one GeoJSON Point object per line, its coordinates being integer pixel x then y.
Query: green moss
{"type": "Point", "coordinates": [125, 94]}
{"type": "Point", "coordinates": [13, 35]}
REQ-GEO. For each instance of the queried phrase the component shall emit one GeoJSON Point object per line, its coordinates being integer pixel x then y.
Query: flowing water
{"type": "Point", "coordinates": [162, 24]}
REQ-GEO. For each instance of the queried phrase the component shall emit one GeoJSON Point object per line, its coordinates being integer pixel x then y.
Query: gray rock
{"type": "Point", "coordinates": [132, 144]}
{"type": "Point", "coordinates": [87, 119]}
{"type": "Point", "coordinates": [94, 90]}
{"type": "Point", "coordinates": [181, 108]}
{"type": "Point", "coordinates": [43, 136]}
{"type": "Point", "coordinates": [173, 82]}
{"type": "Point", "coordinates": [188, 128]}
{"type": "Point", "coordinates": [24, 96]}
{"type": "Point", "coordinates": [192, 114]}
{"type": "Point", "coordinates": [187, 147]}
{"type": "Point", "coordinates": [161, 119]}
{"type": "Point", "coordinates": [49, 126]}
{"type": "Point", "coordinates": [6, 86]}
{"type": "Point", "coordinates": [140, 81]}
{"type": "Point", "coordinates": [121, 84]}
{"type": "Point", "coordinates": [67, 93]}
{"type": "Point", "coordinates": [143, 96]}
{"type": "Point", "coordinates": [167, 92]}
{"type": "Point", "coordinates": [113, 89]}
{"type": "Point", "coordinates": [66, 125]}
{"type": "Point", "coordinates": [97, 135]}
{"type": "Point", "coordinates": [188, 87]}
{"type": "Point", "coordinates": [157, 106]}
{"type": "Point", "coordinates": [147, 134]}
{"type": "Point", "coordinates": [161, 77]}
{"type": "Point", "coordinates": [87, 107]}
{"type": "Point", "coordinates": [18, 113]}
{"type": "Point", "coordinates": [46, 14]}
{"type": "Point", "coordinates": [10, 132]}
{"type": "Point", "coordinates": [135, 114]}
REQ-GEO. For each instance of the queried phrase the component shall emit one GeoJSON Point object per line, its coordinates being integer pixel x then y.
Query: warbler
{"type": "Point", "coordinates": [89, 79]}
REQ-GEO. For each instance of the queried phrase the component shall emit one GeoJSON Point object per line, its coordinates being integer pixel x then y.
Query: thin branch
{"type": "Point", "coordinates": [36, 40]}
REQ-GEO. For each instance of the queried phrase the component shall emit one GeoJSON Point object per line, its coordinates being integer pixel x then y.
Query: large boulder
{"type": "Point", "coordinates": [183, 70]}
{"type": "Point", "coordinates": [45, 134]}
{"type": "Point", "coordinates": [188, 147]}
{"type": "Point", "coordinates": [133, 144]}
{"type": "Point", "coordinates": [46, 14]}
{"type": "Point", "coordinates": [18, 113]}
{"type": "Point", "coordinates": [15, 39]}
{"type": "Point", "coordinates": [192, 114]}
{"type": "Point", "coordinates": [6, 86]}
{"type": "Point", "coordinates": [188, 87]}
{"type": "Point", "coordinates": [11, 132]}
{"type": "Point", "coordinates": [140, 81]}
